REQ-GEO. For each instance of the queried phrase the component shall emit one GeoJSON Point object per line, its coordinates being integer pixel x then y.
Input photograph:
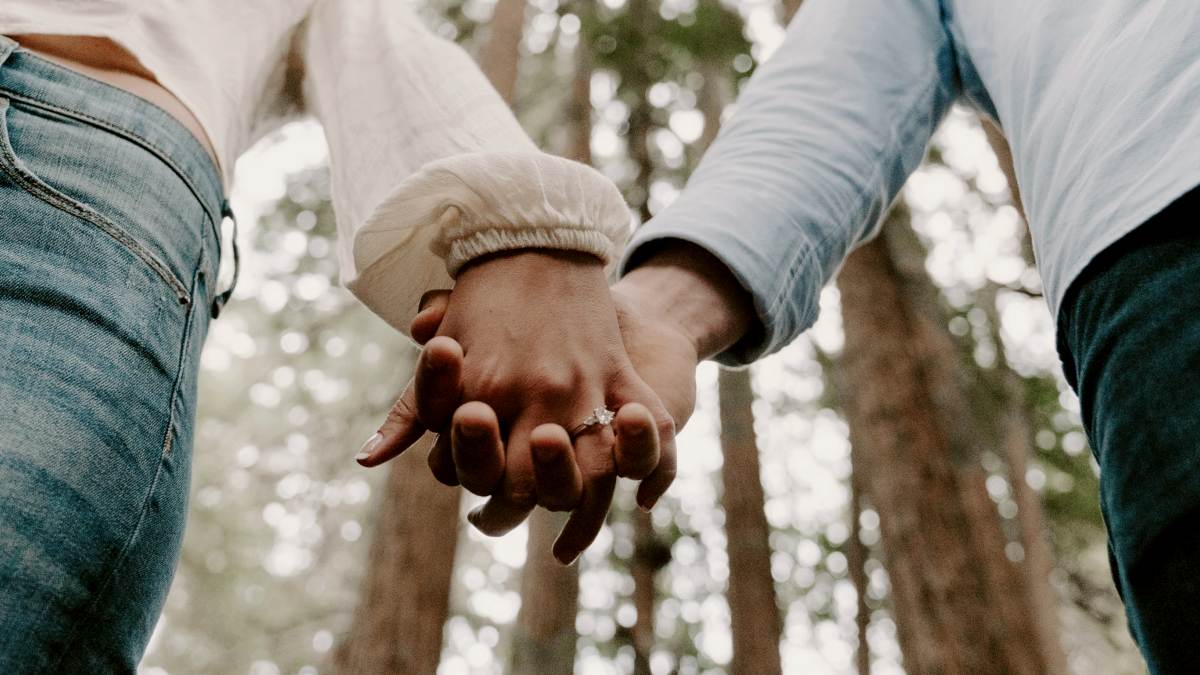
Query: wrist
{"type": "Point", "coordinates": [695, 292]}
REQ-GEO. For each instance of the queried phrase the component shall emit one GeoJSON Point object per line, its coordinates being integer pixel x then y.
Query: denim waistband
{"type": "Point", "coordinates": [26, 77]}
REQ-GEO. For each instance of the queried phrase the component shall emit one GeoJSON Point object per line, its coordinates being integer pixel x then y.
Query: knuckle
{"type": "Point", "coordinates": [665, 475]}
{"type": "Point", "coordinates": [554, 385]}
{"type": "Point", "coordinates": [403, 409]}
{"type": "Point", "coordinates": [664, 425]}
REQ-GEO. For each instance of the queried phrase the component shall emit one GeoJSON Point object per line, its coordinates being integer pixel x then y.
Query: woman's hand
{"type": "Point", "coordinates": [531, 341]}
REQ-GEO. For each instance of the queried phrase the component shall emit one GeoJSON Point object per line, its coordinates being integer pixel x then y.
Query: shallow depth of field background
{"type": "Point", "coordinates": [296, 375]}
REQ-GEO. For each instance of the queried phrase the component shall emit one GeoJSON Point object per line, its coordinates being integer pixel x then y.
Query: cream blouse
{"type": "Point", "coordinates": [430, 168]}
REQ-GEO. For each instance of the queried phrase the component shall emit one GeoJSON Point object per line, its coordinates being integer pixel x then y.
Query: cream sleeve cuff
{"type": "Point", "coordinates": [461, 207]}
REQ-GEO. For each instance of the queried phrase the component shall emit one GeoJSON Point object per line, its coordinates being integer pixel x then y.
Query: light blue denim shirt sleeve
{"type": "Point", "coordinates": [824, 136]}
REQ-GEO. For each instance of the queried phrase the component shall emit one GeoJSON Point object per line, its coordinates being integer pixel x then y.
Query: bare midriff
{"type": "Point", "coordinates": [104, 60]}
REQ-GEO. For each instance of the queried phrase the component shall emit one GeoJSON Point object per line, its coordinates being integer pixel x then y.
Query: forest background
{"type": "Point", "coordinates": [905, 488]}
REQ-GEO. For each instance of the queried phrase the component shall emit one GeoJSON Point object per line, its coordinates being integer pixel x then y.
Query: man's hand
{"type": "Point", "coordinates": [531, 340]}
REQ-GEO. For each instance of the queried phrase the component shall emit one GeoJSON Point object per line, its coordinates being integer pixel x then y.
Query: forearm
{"type": "Point", "coordinates": [691, 289]}
{"type": "Point", "coordinates": [430, 168]}
{"type": "Point", "coordinates": [823, 137]}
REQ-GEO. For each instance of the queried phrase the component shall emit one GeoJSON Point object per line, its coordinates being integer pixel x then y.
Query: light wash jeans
{"type": "Point", "coordinates": [110, 215]}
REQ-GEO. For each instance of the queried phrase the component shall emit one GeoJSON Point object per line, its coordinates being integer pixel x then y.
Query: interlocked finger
{"type": "Point", "coordinates": [594, 453]}
{"type": "Point", "coordinates": [559, 483]}
{"type": "Point", "coordinates": [478, 452]}
{"type": "Point", "coordinates": [439, 382]}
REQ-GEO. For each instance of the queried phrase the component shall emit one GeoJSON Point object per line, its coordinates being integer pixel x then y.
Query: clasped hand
{"type": "Point", "coordinates": [526, 346]}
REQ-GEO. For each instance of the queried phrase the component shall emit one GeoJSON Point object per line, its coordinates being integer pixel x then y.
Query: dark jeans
{"type": "Point", "coordinates": [1129, 337]}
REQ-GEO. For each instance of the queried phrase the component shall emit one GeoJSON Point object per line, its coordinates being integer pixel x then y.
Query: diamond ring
{"type": "Point", "coordinates": [599, 417]}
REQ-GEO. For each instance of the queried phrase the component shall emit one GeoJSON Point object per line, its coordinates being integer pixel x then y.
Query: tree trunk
{"type": "Point", "coordinates": [650, 554]}
{"type": "Point", "coordinates": [1038, 561]}
{"type": "Point", "coordinates": [754, 614]}
{"type": "Point", "coordinates": [952, 584]}
{"type": "Point", "coordinates": [544, 636]}
{"type": "Point", "coordinates": [502, 51]}
{"type": "Point", "coordinates": [1004, 156]}
{"type": "Point", "coordinates": [856, 560]}
{"type": "Point", "coordinates": [405, 599]}
{"type": "Point", "coordinates": [1016, 438]}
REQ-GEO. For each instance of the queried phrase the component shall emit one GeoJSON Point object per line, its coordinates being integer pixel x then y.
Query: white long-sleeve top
{"type": "Point", "coordinates": [430, 168]}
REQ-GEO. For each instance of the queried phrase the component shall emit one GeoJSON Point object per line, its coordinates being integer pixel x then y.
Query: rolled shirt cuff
{"type": "Point", "coordinates": [465, 206]}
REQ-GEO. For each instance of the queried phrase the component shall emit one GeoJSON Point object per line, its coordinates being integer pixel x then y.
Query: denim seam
{"type": "Point", "coordinates": [13, 167]}
{"type": "Point", "coordinates": [148, 145]}
{"type": "Point", "coordinates": [164, 454]}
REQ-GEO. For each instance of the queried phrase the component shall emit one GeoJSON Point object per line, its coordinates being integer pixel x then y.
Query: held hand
{"type": "Point", "coordinates": [532, 340]}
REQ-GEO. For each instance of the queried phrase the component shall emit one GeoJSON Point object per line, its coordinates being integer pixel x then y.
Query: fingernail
{"type": "Point", "coordinates": [473, 516]}
{"type": "Point", "coordinates": [369, 447]}
{"type": "Point", "coordinates": [472, 431]}
{"type": "Point", "coordinates": [645, 508]}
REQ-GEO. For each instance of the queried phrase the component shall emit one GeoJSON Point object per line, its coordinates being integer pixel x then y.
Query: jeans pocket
{"type": "Point", "coordinates": [12, 165]}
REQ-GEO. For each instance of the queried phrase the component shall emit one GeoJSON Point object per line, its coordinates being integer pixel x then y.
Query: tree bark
{"type": "Point", "coordinates": [1016, 439]}
{"type": "Point", "coordinates": [754, 614]}
{"type": "Point", "coordinates": [502, 52]}
{"type": "Point", "coordinates": [405, 600]}
{"type": "Point", "coordinates": [856, 560]}
{"type": "Point", "coordinates": [1004, 156]}
{"type": "Point", "coordinates": [544, 637]}
{"type": "Point", "coordinates": [650, 554]}
{"type": "Point", "coordinates": [952, 584]}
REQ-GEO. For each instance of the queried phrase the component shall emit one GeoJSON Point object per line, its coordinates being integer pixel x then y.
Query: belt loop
{"type": "Point", "coordinates": [223, 297]}
{"type": "Point", "coordinates": [7, 47]}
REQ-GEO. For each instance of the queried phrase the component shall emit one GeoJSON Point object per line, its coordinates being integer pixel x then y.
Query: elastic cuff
{"type": "Point", "coordinates": [482, 243]}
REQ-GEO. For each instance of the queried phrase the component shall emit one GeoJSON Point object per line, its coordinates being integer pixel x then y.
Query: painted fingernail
{"type": "Point", "coordinates": [369, 447]}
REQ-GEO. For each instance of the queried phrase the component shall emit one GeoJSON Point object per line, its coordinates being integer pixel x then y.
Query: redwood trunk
{"type": "Point", "coordinates": [502, 51]}
{"type": "Point", "coordinates": [957, 598]}
{"type": "Point", "coordinates": [1016, 437]}
{"type": "Point", "coordinates": [754, 614]}
{"type": "Point", "coordinates": [397, 627]}
{"type": "Point", "coordinates": [544, 637]}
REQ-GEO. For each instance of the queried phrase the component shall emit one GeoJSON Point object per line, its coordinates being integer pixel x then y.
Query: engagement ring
{"type": "Point", "coordinates": [599, 417]}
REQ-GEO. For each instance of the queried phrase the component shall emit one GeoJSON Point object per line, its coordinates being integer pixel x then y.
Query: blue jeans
{"type": "Point", "coordinates": [1129, 337]}
{"type": "Point", "coordinates": [110, 215]}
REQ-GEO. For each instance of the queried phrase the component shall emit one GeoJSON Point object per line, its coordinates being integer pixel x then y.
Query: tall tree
{"type": "Point", "coordinates": [544, 637]}
{"type": "Point", "coordinates": [1015, 436]}
{"type": "Point", "coordinates": [754, 613]}
{"type": "Point", "coordinates": [402, 632]}
{"type": "Point", "coordinates": [919, 459]}
{"type": "Point", "coordinates": [650, 555]}
{"type": "Point", "coordinates": [501, 53]}
{"type": "Point", "coordinates": [397, 627]}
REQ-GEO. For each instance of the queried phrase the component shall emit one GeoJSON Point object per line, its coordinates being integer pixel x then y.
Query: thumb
{"type": "Point", "coordinates": [400, 431]}
{"type": "Point", "coordinates": [427, 321]}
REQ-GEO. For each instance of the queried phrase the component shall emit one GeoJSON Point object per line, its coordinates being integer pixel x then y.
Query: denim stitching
{"type": "Point", "coordinates": [164, 454]}
{"type": "Point", "coordinates": [12, 166]}
{"type": "Point", "coordinates": [130, 136]}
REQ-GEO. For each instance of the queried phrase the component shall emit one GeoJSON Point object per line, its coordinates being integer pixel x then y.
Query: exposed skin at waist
{"type": "Point", "coordinates": [104, 60]}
